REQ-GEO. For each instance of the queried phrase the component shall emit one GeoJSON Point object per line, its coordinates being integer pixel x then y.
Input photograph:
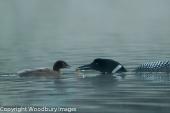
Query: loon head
{"type": "Point", "coordinates": [59, 65]}
{"type": "Point", "coordinates": [104, 66]}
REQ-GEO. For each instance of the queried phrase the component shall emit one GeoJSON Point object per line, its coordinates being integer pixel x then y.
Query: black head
{"type": "Point", "coordinates": [104, 66]}
{"type": "Point", "coordinates": [59, 65]}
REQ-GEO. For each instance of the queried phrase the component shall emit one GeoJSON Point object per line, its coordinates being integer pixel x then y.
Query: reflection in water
{"type": "Point", "coordinates": [90, 94]}
{"type": "Point", "coordinates": [154, 76]}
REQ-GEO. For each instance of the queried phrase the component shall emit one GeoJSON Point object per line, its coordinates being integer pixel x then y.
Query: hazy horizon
{"type": "Point", "coordinates": [84, 17]}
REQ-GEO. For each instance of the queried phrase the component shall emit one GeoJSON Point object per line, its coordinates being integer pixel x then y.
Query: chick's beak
{"type": "Point", "coordinates": [67, 66]}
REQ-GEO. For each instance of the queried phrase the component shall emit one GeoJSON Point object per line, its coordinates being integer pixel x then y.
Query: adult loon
{"type": "Point", "coordinates": [46, 72]}
{"type": "Point", "coordinates": [104, 66]}
{"type": "Point", "coordinates": [108, 66]}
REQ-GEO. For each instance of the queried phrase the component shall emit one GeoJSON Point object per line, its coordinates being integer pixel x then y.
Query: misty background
{"type": "Point", "coordinates": [24, 17]}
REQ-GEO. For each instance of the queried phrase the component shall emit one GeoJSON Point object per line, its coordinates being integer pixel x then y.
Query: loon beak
{"type": "Point", "coordinates": [85, 67]}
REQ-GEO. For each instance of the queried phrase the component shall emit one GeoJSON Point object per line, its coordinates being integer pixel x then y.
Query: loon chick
{"type": "Point", "coordinates": [106, 66]}
{"type": "Point", "coordinates": [46, 72]}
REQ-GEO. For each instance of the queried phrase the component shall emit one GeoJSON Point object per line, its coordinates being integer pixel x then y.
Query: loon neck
{"type": "Point", "coordinates": [117, 68]}
{"type": "Point", "coordinates": [56, 70]}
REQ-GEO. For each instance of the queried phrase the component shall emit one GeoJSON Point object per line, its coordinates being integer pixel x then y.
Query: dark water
{"type": "Point", "coordinates": [34, 35]}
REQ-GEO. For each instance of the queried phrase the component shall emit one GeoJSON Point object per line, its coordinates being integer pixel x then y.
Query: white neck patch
{"type": "Point", "coordinates": [117, 68]}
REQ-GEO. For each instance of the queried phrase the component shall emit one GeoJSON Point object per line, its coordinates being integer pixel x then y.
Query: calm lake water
{"type": "Point", "coordinates": [41, 43]}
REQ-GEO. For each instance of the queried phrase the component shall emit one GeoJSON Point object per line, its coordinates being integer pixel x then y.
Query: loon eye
{"type": "Point", "coordinates": [96, 63]}
{"type": "Point", "coordinates": [63, 64]}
